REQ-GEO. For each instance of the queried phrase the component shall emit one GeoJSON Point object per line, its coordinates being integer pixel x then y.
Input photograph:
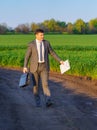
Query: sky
{"type": "Point", "coordinates": [15, 12]}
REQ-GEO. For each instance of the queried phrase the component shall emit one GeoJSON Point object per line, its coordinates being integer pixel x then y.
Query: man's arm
{"type": "Point", "coordinates": [27, 56]}
{"type": "Point", "coordinates": [54, 55]}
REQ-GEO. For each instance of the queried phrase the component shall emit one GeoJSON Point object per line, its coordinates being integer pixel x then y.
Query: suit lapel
{"type": "Point", "coordinates": [35, 48]}
{"type": "Point", "coordinates": [45, 50]}
{"type": "Point", "coordinates": [44, 47]}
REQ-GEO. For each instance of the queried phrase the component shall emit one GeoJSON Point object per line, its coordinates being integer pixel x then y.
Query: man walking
{"type": "Point", "coordinates": [38, 54]}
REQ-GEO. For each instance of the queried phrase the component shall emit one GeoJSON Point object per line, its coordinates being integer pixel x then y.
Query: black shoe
{"type": "Point", "coordinates": [49, 104]}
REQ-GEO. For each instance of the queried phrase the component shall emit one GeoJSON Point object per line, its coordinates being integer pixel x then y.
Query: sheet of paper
{"type": "Point", "coordinates": [65, 67]}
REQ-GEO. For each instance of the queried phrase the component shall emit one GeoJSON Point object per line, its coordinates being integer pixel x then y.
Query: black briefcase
{"type": "Point", "coordinates": [24, 80]}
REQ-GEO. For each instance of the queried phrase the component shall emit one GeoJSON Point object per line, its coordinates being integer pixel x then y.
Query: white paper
{"type": "Point", "coordinates": [65, 66]}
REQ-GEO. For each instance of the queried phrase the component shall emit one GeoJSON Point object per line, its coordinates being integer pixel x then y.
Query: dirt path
{"type": "Point", "coordinates": [75, 104]}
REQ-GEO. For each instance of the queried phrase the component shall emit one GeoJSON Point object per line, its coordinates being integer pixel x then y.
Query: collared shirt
{"type": "Point", "coordinates": [38, 49]}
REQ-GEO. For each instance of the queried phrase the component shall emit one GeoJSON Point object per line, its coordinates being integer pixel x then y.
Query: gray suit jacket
{"type": "Point", "coordinates": [32, 55]}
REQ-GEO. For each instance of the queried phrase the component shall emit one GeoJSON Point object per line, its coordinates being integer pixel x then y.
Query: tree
{"type": "Point", "coordinates": [23, 28]}
{"type": "Point", "coordinates": [79, 27]}
{"type": "Point", "coordinates": [55, 26]}
{"type": "Point", "coordinates": [51, 25]}
{"type": "Point", "coordinates": [3, 28]}
{"type": "Point", "coordinates": [45, 24]}
{"type": "Point", "coordinates": [70, 28]}
{"type": "Point", "coordinates": [62, 26]}
{"type": "Point", "coordinates": [93, 25]}
{"type": "Point", "coordinates": [34, 26]}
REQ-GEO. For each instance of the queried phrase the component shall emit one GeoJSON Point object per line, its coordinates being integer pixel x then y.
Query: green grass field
{"type": "Point", "coordinates": [81, 50]}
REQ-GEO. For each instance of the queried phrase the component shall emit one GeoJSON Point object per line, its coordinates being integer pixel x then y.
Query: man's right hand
{"type": "Point", "coordinates": [25, 70]}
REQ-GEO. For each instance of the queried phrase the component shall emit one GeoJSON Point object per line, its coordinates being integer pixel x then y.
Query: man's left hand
{"type": "Point", "coordinates": [62, 62]}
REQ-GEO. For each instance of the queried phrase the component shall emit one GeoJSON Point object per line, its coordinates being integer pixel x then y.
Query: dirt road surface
{"type": "Point", "coordinates": [74, 108]}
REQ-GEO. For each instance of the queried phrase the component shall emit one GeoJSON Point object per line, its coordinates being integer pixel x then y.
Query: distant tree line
{"type": "Point", "coordinates": [53, 26]}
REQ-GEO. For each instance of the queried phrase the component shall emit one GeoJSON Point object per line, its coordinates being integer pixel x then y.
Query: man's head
{"type": "Point", "coordinates": [39, 33]}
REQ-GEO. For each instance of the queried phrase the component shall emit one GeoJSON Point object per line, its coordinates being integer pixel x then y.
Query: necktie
{"type": "Point", "coordinates": [41, 51]}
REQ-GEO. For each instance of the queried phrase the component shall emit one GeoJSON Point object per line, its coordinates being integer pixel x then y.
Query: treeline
{"type": "Point", "coordinates": [53, 26]}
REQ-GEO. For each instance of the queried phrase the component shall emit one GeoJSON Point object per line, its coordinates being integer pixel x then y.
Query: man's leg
{"type": "Point", "coordinates": [36, 88]}
{"type": "Point", "coordinates": [44, 77]}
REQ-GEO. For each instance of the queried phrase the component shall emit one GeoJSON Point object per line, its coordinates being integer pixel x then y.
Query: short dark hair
{"type": "Point", "coordinates": [39, 31]}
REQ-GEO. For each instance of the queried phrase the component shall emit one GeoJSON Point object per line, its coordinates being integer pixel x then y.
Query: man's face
{"type": "Point", "coordinates": [40, 36]}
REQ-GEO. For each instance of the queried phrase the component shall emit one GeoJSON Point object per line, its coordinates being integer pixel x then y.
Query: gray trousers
{"type": "Point", "coordinates": [43, 74]}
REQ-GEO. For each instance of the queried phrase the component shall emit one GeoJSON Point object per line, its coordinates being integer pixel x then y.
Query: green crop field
{"type": "Point", "coordinates": [81, 50]}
